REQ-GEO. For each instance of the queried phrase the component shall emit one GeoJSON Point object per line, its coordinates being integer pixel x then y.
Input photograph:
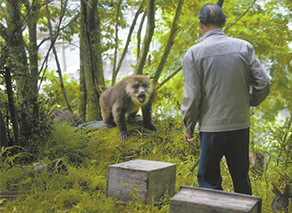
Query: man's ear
{"type": "Point", "coordinates": [200, 24]}
{"type": "Point", "coordinates": [224, 23]}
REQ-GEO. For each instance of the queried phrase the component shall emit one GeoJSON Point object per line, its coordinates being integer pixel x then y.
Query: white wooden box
{"type": "Point", "coordinates": [148, 180]}
{"type": "Point", "coordinates": [201, 200]}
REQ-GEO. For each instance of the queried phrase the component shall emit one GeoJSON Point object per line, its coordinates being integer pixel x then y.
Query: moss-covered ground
{"type": "Point", "coordinates": [87, 154]}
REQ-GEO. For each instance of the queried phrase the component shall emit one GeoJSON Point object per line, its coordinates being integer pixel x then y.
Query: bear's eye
{"type": "Point", "coordinates": [136, 85]}
{"type": "Point", "coordinates": [144, 84]}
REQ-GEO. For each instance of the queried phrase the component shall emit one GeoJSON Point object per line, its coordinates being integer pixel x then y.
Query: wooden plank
{"type": "Point", "coordinates": [8, 194]}
{"type": "Point", "coordinates": [204, 200]}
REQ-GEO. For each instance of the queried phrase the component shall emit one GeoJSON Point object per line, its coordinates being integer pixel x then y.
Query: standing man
{"type": "Point", "coordinates": [223, 78]}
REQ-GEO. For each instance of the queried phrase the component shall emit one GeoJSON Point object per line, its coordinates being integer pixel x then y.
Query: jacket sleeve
{"type": "Point", "coordinates": [259, 80]}
{"type": "Point", "coordinates": [192, 95]}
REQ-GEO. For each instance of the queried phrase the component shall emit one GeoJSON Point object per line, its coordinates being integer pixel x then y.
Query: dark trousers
{"type": "Point", "coordinates": [234, 145]}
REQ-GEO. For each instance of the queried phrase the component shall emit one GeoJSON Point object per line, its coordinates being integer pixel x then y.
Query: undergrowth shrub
{"type": "Point", "coordinates": [67, 142]}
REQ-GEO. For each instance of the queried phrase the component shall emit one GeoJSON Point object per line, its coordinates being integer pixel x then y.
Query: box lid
{"type": "Point", "coordinates": [217, 199]}
{"type": "Point", "coordinates": [142, 165]}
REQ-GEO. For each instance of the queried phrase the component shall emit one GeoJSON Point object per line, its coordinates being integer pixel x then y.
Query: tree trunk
{"type": "Point", "coordinates": [18, 66]}
{"type": "Point", "coordinates": [170, 42]}
{"type": "Point", "coordinates": [95, 33]}
{"type": "Point", "coordinates": [90, 48]}
{"type": "Point", "coordinates": [3, 132]}
{"type": "Point", "coordinates": [82, 90]}
{"type": "Point", "coordinates": [11, 104]}
{"type": "Point", "coordinates": [148, 36]}
{"type": "Point", "coordinates": [32, 19]}
{"type": "Point", "coordinates": [220, 3]}
{"type": "Point", "coordinates": [139, 34]}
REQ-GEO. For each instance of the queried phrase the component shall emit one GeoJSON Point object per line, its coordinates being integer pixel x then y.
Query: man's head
{"type": "Point", "coordinates": [211, 16]}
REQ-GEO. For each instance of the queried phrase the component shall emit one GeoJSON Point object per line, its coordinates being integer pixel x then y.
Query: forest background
{"type": "Point", "coordinates": [28, 134]}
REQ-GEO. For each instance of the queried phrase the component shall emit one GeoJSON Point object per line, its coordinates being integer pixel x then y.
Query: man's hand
{"type": "Point", "coordinates": [187, 137]}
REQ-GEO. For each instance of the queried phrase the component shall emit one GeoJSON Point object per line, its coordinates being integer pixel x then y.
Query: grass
{"type": "Point", "coordinates": [87, 155]}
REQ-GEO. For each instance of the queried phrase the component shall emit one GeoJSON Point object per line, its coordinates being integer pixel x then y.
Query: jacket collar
{"type": "Point", "coordinates": [212, 32]}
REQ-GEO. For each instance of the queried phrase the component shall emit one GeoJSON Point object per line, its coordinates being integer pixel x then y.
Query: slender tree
{"type": "Point", "coordinates": [139, 34]}
{"type": "Point", "coordinates": [170, 42]}
{"type": "Point", "coordinates": [32, 20]}
{"type": "Point", "coordinates": [3, 132]}
{"type": "Point", "coordinates": [148, 37]}
{"type": "Point", "coordinates": [125, 50]}
{"type": "Point", "coordinates": [59, 71]}
{"type": "Point", "coordinates": [114, 73]}
{"type": "Point", "coordinates": [11, 104]}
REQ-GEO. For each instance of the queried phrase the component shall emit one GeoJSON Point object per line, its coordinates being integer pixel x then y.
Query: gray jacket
{"type": "Point", "coordinates": [223, 78]}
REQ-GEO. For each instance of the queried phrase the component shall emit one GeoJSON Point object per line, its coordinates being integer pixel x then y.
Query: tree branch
{"type": "Point", "coordinates": [43, 64]}
{"type": "Point", "coordinates": [10, 36]}
{"type": "Point", "coordinates": [239, 17]}
{"type": "Point", "coordinates": [169, 77]}
{"type": "Point", "coordinates": [55, 53]}
{"type": "Point", "coordinates": [170, 41]}
{"type": "Point", "coordinates": [148, 36]}
{"type": "Point", "coordinates": [116, 42]}
{"type": "Point", "coordinates": [115, 73]}
{"type": "Point", "coordinates": [220, 3]}
{"type": "Point", "coordinates": [26, 4]}
{"type": "Point", "coordinates": [56, 34]}
{"type": "Point", "coordinates": [139, 34]}
{"type": "Point", "coordinates": [4, 32]}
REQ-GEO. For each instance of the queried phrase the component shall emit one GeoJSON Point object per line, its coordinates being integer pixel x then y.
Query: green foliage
{"type": "Point", "coordinates": [69, 27]}
{"type": "Point", "coordinates": [65, 141]}
{"type": "Point", "coordinates": [277, 148]}
{"type": "Point", "coordinates": [280, 141]}
{"type": "Point", "coordinates": [52, 90]}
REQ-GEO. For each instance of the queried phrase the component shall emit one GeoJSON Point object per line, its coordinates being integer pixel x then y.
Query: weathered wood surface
{"type": "Point", "coordinates": [8, 194]}
{"type": "Point", "coordinates": [147, 179]}
{"type": "Point", "coordinates": [200, 200]}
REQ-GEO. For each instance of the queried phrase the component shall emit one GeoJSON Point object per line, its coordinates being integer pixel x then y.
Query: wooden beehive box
{"type": "Point", "coordinates": [148, 180]}
{"type": "Point", "coordinates": [200, 200]}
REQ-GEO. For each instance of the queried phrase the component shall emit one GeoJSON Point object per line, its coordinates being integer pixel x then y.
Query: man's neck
{"type": "Point", "coordinates": [206, 29]}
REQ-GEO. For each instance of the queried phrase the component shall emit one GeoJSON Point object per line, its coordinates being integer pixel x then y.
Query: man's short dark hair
{"type": "Point", "coordinates": [212, 14]}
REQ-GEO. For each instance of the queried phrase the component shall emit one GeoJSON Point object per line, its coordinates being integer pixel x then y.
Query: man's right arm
{"type": "Point", "coordinates": [259, 80]}
{"type": "Point", "coordinates": [192, 95]}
